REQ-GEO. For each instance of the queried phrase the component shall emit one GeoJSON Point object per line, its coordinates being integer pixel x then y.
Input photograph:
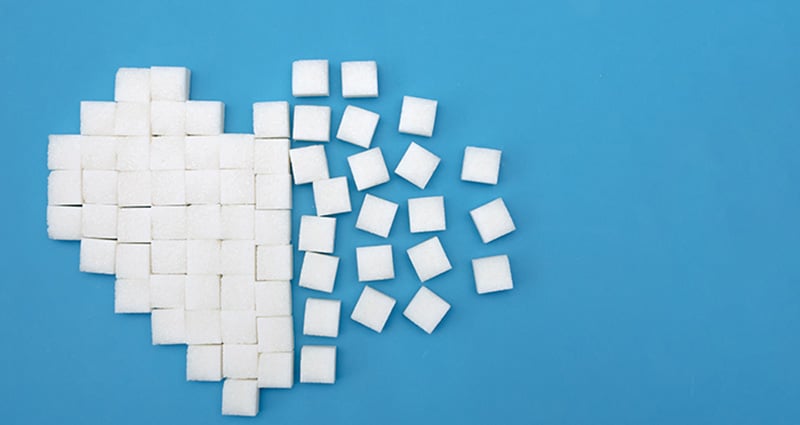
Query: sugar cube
{"type": "Point", "coordinates": [322, 317]}
{"type": "Point", "coordinates": [168, 187]}
{"type": "Point", "coordinates": [310, 78]}
{"type": "Point", "coordinates": [133, 261]}
{"type": "Point", "coordinates": [492, 220]}
{"type": "Point", "coordinates": [368, 168]}
{"type": "Point", "coordinates": [203, 327]}
{"type": "Point", "coordinates": [357, 126]}
{"type": "Point", "coordinates": [204, 363]}
{"type": "Point", "coordinates": [426, 309]}
{"type": "Point", "coordinates": [238, 326]}
{"type": "Point", "coordinates": [375, 263]}
{"type": "Point", "coordinates": [317, 234]}
{"type": "Point", "coordinates": [309, 164]}
{"type": "Point", "coordinates": [202, 293]}
{"type": "Point", "coordinates": [273, 192]}
{"type": "Point", "coordinates": [417, 165]}
{"type": "Point", "coordinates": [168, 153]}
{"type": "Point", "coordinates": [429, 259]}
{"type": "Point", "coordinates": [236, 152]}
{"type": "Point", "coordinates": [132, 85]}
{"type": "Point", "coordinates": [481, 165]}
{"type": "Point", "coordinates": [64, 188]}
{"type": "Point", "coordinates": [168, 291]}
{"type": "Point", "coordinates": [169, 83]}
{"type": "Point", "coordinates": [271, 156]}
{"type": "Point", "coordinates": [202, 186]}
{"type": "Point", "coordinates": [273, 227]}
{"type": "Point", "coordinates": [331, 196]}
{"type": "Point", "coordinates": [238, 257]}
{"type": "Point", "coordinates": [274, 262]}
{"type": "Point", "coordinates": [64, 152]}
{"type": "Point", "coordinates": [240, 360]}
{"type": "Point", "coordinates": [238, 293]}
{"type": "Point", "coordinates": [373, 309]}
{"type": "Point", "coordinates": [376, 215]}
{"type": "Point", "coordinates": [275, 334]}
{"type": "Point", "coordinates": [134, 225]}
{"type": "Point", "coordinates": [205, 117]}
{"type": "Point", "coordinates": [132, 296]}
{"type": "Point", "coordinates": [318, 272]}
{"type": "Point", "coordinates": [99, 221]}
{"type": "Point", "coordinates": [417, 116]}
{"type": "Point", "coordinates": [273, 298]}
{"type": "Point", "coordinates": [132, 119]}
{"type": "Point", "coordinates": [64, 223]}
{"type": "Point", "coordinates": [359, 79]}
{"type": "Point", "coordinates": [203, 257]}
{"type": "Point", "coordinates": [240, 397]}
{"type": "Point", "coordinates": [271, 119]}
{"type": "Point", "coordinates": [426, 214]}
{"type": "Point", "coordinates": [168, 256]}
{"type": "Point", "coordinates": [168, 326]}
{"type": "Point", "coordinates": [134, 189]}
{"type": "Point", "coordinates": [237, 187]}
{"type": "Point", "coordinates": [203, 221]}
{"type": "Point", "coordinates": [98, 256]}
{"type": "Point", "coordinates": [168, 222]}
{"type": "Point", "coordinates": [99, 187]}
{"type": "Point", "coordinates": [492, 274]}
{"type": "Point", "coordinates": [276, 370]}
{"type": "Point", "coordinates": [318, 364]}
{"type": "Point", "coordinates": [202, 152]}
{"type": "Point", "coordinates": [236, 221]}
{"type": "Point", "coordinates": [167, 118]}
{"type": "Point", "coordinates": [99, 153]}
{"type": "Point", "coordinates": [133, 153]}
{"type": "Point", "coordinates": [312, 123]}
{"type": "Point", "coordinates": [97, 118]}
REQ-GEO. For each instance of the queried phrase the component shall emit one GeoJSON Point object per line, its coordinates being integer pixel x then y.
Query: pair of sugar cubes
{"type": "Point", "coordinates": [373, 308]}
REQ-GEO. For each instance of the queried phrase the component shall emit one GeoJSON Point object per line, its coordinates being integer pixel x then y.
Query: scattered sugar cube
{"type": "Point", "coordinates": [481, 165]}
{"type": "Point", "coordinates": [168, 256]}
{"type": "Point", "coordinates": [274, 262]}
{"type": "Point", "coordinates": [275, 334]}
{"type": "Point", "coordinates": [357, 126]}
{"type": "Point", "coordinates": [426, 309]}
{"type": "Point", "coordinates": [132, 119]}
{"type": "Point", "coordinates": [168, 187]}
{"type": "Point", "coordinates": [236, 152]}
{"type": "Point", "coordinates": [376, 215]}
{"type": "Point", "coordinates": [359, 79]}
{"type": "Point", "coordinates": [203, 327]}
{"type": "Point", "coordinates": [375, 263]}
{"type": "Point", "coordinates": [168, 291]}
{"type": "Point", "coordinates": [99, 221]}
{"type": "Point", "coordinates": [132, 85]}
{"type": "Point", "coordinates": [238, 293]}
{"type": "Point", "coordinates": [202, 152]}
{"type": "Point", "coordinates": [132, 296]}
{"type": "Point", "coordinates": [134, 189]}
{"type": "Point", "coordinates": [64, 223]}
{"type": "Point", "coordinates": [238, 257]}
{"type": "Point", "coordinates": [240, 360]}
{"type": "Point", "coordinates": [332, 196]}
{"type": "Point", "coordinates": [133, 261]}
{"type": "Point", "coordinates": [309, 164]}
{"type": "Point", "coordinates": [97, 118]}
{"type": "Point", "coordinates": [310, 78]}
{"type": "Point", "coordinates": [168, 222]}
{"type": "Point", "coordinates": [205, 117]}
{"type": "Point", "coordinates": [492, 220]}
{"type": "Point", "coordinates": [203, 293]}
{"type": "Point", "coordinates": [368, 168]}
{"type": "Point", "coordinates": [236, 221]}
{"type": "Point", "coordinates": [417, 116]}
{"type": "Point", "coordinates": [64, 188]}
{"type": "Point", "coordinates": [312, 123]}
{"type": "Point", "coordinates": [168, 326]}
{"type": "Point", "coordinates": [318, 364]}
{"type": "Point", "coordinates": [240, 397]}
{"type": "Point", "coordinates": [273, 298]}
{"type": "Point", "coordinates": [237, 187]}
{"type": "Point", "coordinates": [273, 191]}
{"type": "Point", "coordinates": [276, 370]}
{"type": "Point", "coordinates": [64, 152]}
{"type": "Point", "coordinates": [492, 274]}
{"type": "Point", "coordinates": [99, 153]}
{"type": "Point", "coordinates": [98, 256]}
{"type": "Point", "coordinates": [429, 259]}
{"type": "Point", "coordinates": [271, 119]}
{"type": "Point", "coordinates": [167, 118]}
{"type": "Point", "coordinates": [273, 227]}
{"type": "Point", "coordinates": [204, 363]}
{"type": "Point", "coordinates": [134, 225]}
{"type": "Point", "coordinates": [99, 187]}
{"type": "Point", "coordinates": [318, 272]}
{"type": "Point", "coordinates": [169, 83]}
{"type": "Point", "coordinates": [417, 165]}
{"type": "Point", "coordinates": [271, 156]}
{"type": "Point", "coordinates": [203, 221]}
{"type": "Point", "coordinates": [239, 327]}
{"type": "Point", "coordinates": [133, 153]}
{"type": "Point", "coordinates": [322, 317]}
{"type": "Point", "coordinates": [203, 257]}
{"type": "Point", "coordinates": [317, 234]}
{"type": "Point", "coordinates": [426, 214]}
{"type": "Point", "coordinates": [373, 309]}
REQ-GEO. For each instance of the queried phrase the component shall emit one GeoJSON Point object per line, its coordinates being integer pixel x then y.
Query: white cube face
{"type": "Point", "coordinates": [492, 274]}
{"type": "Point", "coordinates": [309, 164]}
{"type": "Point", "coordinates": [417, 165]}
{"type": "Point", "coordinates": [238, 222]}
{"type": "Point", "coordinates": [310, 78]}
{"type": "Point", "coordinates": [417, 116]}
{"type": "Point", "coordinates": [134, 225]}
{"type": "Point", "coordinates": [357, 126]}
{"type": "Point", "coordinates": [376, 215]}
{"type": "Point", "coordinates": [373, 309]}
{"type": "Point", "coordinates": [359, 79]}
{"type": "Point", "coordinates": [168, 222]}
{"type": "Point", "coordinates": [492, 220]}
{"type": "Point", "coordinates": [237, 257]}
{"type": "Point", "coordinates": [97, 118]}
{"type": "Point", "coordinates": [273, 227]}
{"type": "Point", "coordinates": [132, 261]}
{"type": "Point", "coordinates": [481, 165]}
{"type": "Point", "coordinates": [202, 292]}
{"type": "Point", "coordinates": [134, 189]}
{"type": "Point", "coordinates": [132, 296]}
{"type": "Point", "coordinates": [332, 196]}
{"type": "Point", "coordinates": [168, 291]}
{"type": "Point", "coordinates": [202, 187]}
{"type": "Point", "coordinates": [99, 221]}
{"type": "Point", "coordinates": [271, 119]}
{"type": "Point", "coordinates": [275, 334]}
{"type": "Point", "coordinates": [273, 192]}
{"type": "Point", "coordinates": [132, 119]}
{"type": "Point", "coordinates": [203, 327]}
{"type": "Point", "coordinates": [236, 151]}
{"type": "Point", "coordinates": [202, 152]}
{"type": "Point", "coordinates": [375, 263]}
{"type": "Point", "coordinates": [133, 153]}
{"type": "Point", "coordinates": [240, 361]}
{"type": "Point", "coordinates": [64, 188]}
{"type": "Point", "coordinates": [322, 317]}
{"type": "Point", "coordinates": [168, 187]}
{"type": "Point", "coordinates": [99, 153]}
{"type": "Point", "coordinates": [237, 293]}
{"type": "Point", "coordinates": [240, 397]}
{"type": "Point", "coordinates": [274, 262]}
{"type": "Point", "coordinates": [318, 364]}
{"type": "Point", "coordinates": [239, 327]}
{"type": "Point", "coordinates": [317, 234]}
{"type": "Point", "coordinates": [237, 187]}
{"type": "Point", "coordinates": [167, 118]}
{"type": "Point", "coordinates": [168, 326]}
{"type": "Point", "coordinates": [64, 223]}
{"type": "Point", "coordinates": [318, 272]}
{"type": "Point", "coordinates": [132, 85]}
{"type": "Point", "coordinates": [203, 257]}
{"type": "Point", "coordinates": [368, 169]}
{"type": "Point", "coordinates": [273, 298]}
{"type": "Point", "coordinates": [312, 123]}
{"type": "Point", "coordinates": [169, 83]}
{"type": "Point", "coordinates": [426, 309]}
{"type": "Point", "coordinates": [276, 370]}
{"type": "Point", "coordinates": [271, 156]}
{"type": "Point", "coordinates": [203, 221]}
{"type": "Point", "coordinates": [426, 214]}
{"type": "Point", "coordinates": [100, 187]}
{"type": "Point", "coordinates": [64, 152]}
{"type": "Point", "coordinates": [204, 363]}
{"type": "Point", "coordinates": [205, 117]}
{"type": "Point", "coordinates": [168, 256]}
{"type": "Point", "coordinates": [429, 259]}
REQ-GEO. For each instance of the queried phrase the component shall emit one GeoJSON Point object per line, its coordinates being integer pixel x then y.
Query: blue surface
{"type": "Point", "coordinates": [651, 163]}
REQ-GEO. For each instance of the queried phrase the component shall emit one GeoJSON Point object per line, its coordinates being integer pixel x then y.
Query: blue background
{"type": "Point", "coordinates": [650, 162]}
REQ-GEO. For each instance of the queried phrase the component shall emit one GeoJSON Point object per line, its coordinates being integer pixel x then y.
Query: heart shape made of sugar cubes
{"type": "Point", "coordinates": [196, 223]}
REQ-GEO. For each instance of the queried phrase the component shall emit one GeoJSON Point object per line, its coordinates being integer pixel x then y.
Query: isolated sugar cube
{"type": "Point", "coordinates": [64, 187]}
{"type": "Point", "coordinates": [169, 83]}
{"type": "Point", "coordinates": [168, 153]}
{"type": "Point", "coordinates": [168, 256]}
{"type": "Point", "coordinates": [373, 309]}
{"type": "Point", "coordinates": [236, 152]}
{"type": "Point", "coordinates": [64, 152]}
{"type": "Point", "coordinates": [318, 272]}
{"type": "Point", "coordinates": [274, 262]}
{"type": "Point", "coordinates": [202, 292]}
{"type": "Point", "coordinates": [318, 364]}
{"type": "Point", "coordinates": [203, 221]}
{"type": "Point", "coordinates": [168, 291]}
{"type": "Point", "coordinates": [205, 117]}
{"type": "Point", "coordinates": [492, 274]}
{"type": "Point", "coordinates": [237, 221]}
{"type": "Point", "coordinates": [132, 85]}
{"type": "Point", "coordinates": [492, 220]}
{"type": "Point", "coordinates": [417, 116]}
{"type": "Point", "coordinates": [64, 223]}
{"type": "Point", "coordinates": [317, 234]}
{"type": "Point", "coordinates": [134, 189]}
{"type": "Point", "coordinates": [331, 196]}
{"type": "Point", "coordinates": [273, 227]}
{"type": "Point", "coordinates": [202, 152]}
{"type": "Point", "coordinates": [273, 192]}
{"type": "Point", "coordinates": [271, 119]}
{"type": "Point", "coordinates": [417, 165]}
{"type": "Point", "coordinates": [168, 326]}
{"type": "Point", "coordinates": [237, 187]}
{"type": "Point", "coordinates": [204, 363]}
{"type": "Point", "coordinates": [99, 221]}
{"type": "Point", "coordinates": [426, 214]}
{"type": "Point", "coordinates": [133, 153]}
{"type": "Point", "coordinates": [132, 296]}
{"type": "Point", "coordinates": [240, 361]}
{"type": "Point", "coordinates": [271, 156]}
{"type": "Point", "coordinates": [238, 257]}
{"type": "Point", "coordinates": [309, 164]}
{"type": "Point", "coordinates": [168, 222]}
{"type": "Point", "coordinates": [203, 257]}
{"type": "Point", "coordinates": [359, 79]}
{"type": "Point", "coordinates": [203, 327]}
{"type": "Point", "coordinates": [357, 126]}
{"type": "Point", "coordinates": [167, 118]}
{"type": "Point", "coordinates": [276, 370]}
{"type": "Point", "coordinates": [99, 187]}
{"type": "Point", "coordinates": [368, 168]}
{"type": "Point", "coordinates": [97, 118]}
{"type": "Point", "coordinates": [132, 119]}
{"type": "Point", "coordinates": [98, 256]}
{"type": "Point", "coordinates": [99, 153]}
{"type": "Point", "coordinates": [273, 298]}
{"type": "Point", "coordinates": [203, 186]}
{"type": "Point", "coordinates": [310, 78]}
{"type": "Point", "coordinates": [321, 317]}
{"type": "Point", "coordinates": [312, 123]}
{"type": "Point", "coordinates": [240, 397]}
{"type": "Point", "coordinates": [375, 263]}
{"type": "Point", "coordinates": [168, 187]}
{"type": "Point", "coordinates": [238, 293]}
{"type": "Point", "coordinates": [429, 259]}
{"type": "Point", "coordinates": [134, 225]}
{"type": "Point", "coordinates": [133, 261]}
{"type": "Point", "coordinates": [376, 215]}
{"type": "Point", "coordinates": [426, 309]}
{"type": "Point", "coordinates": [481, 165]}
{"type": "Point", "coordinates": [275, 334]}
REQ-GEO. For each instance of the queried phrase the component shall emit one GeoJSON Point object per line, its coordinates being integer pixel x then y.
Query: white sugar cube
{"type": "Point", "coordinates": [202, 186]}
{"type": "Point", "coordinates": [169, 83]}
{"type": "Point", "coordinates": [309, 164]}
{"type": "Point", "coordinates": [332, 196]}
{"type": "Point", "coordinates": [273, 298]}
{"type": "Point", "coordinates": [132, 296]}
{"type": "Point", "coordinates": [318, 364]}
{"type": "Point", "coordinates": [273, 227]}
{"type": "Point", "coordinates": [99, 153]}
{"type": "Point", "coordinates": [64, 152]}
{"type": "Point", "coordinates": [240, 397]}
{"type": "Point", "coordinates": [168, 291]}
{"type": "Point", "coordinates": [97, 118]}
{"type": "Point", "coordinates": [202, 152]}
{"type": "Point", "coordinates": [312, 123]}
{"type": "Point", "coordinates": [237, 187]}
{"type": "Point", "coordinates": [64, 223]}
{"type": "Point", "coordinates": [274, 262]}
{"type": "Point", "coordinates": [492, 220]}
{"type": "Point", "coordinates": [238, 257]}
{"type": "Point", "coordinates": [322, 317]}
{"type": "Point", "coordinates": [318, 272]}
{"type": "Point", "coordinates": [202, 292]}
{"type": "Point", "coordinates": [310, 78]}
{"type": "Point", "coordinates": [133, 261]}
{"type": "Point", "coordinates": [238, 293]}
{"type": "Point", "coordinates": [168, 153]}
{"type": "Point", "coordinates": [359, 79]}
{"type": "Point", "coordinates": [481, 165]}
{"type": "Point", "coordinates": [168, 187]}
{"type": "Point", "coordinates": [236, 221]}
{"type": "Point", "coordinates": [240, 360]}
{"type": "Point", "coordinates": [132, 85]}
{"type": "Point", "coordinates": [98, 256]}
{"type": "Point", "coordinates": [99, 187]}
{"type": "Point", "coordinates": [205, 117]}
{"type": "Point", "coordinates": [275, 334]}
{"type": "Point", "coordinates": [236, 152]}
{"type": "Point", "coordinates": [168, 326]}
{"type": "Point", "coordinates": [238, 326]}
{"type": "Point", "coordinates": [271, 119]}
{"type": "Point", "coordinates": [429, 259]}
{"type": "Point", "coordinates": [132, 119]}
{"type": "Point", "coordinates": [357, 126]}
{"type": "Point", "coordinates": [273, 191]}
{"type": "Point", "coordinates": [99, 221]}
{"type": "Point", "coordinates": [134, 189]}
{"type": "Point", "coordinates": [492, 274]}
{"type": "Point", "coordinates": [203, 221]}
{"type": "Point", "coordinates": [417, 116]}
{"type": "Point", "coordinates": [204, 363]}
{"type": "Point", "coordinates": [168, 256]}
{"type": "Point", "coordinates": [426, 309]}
{"type": "Point", "coordinates": [203, 327]}
{"type": "Point", "coordinates": [373, 309]}
{"type": "Point", "coordinates": [271, 156]}
{"type": "Point", "coordinates": [134, 225]}
{"type": "Point", "coordinates": [317, 234]}
{"type": "Point", "coordinates": [64, 188]}
{"type": "Point", "coordinates": [375, 263]}
{"type": "Point", "coordinates": [133, 153]}
{"type": "Point", "coordinates": [368, 168]}
{"type": "Point", "coordinates": [417, 165]}
{"type": "Point", "coordinates": [276, 370]}
{"type": "Point", "coordinates": [376, 215]}
{"type": "Point", "coordinates": [203, 257]}
{"type": "Point", "coordinates": [168, 222]}
{"type": "Point", "coordinates": [167, 118]}
{"type": "Point", "coordinates": [426, 214]}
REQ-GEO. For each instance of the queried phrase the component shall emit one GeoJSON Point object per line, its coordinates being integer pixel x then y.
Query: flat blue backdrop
{"type": "Point", "coordinates": [651, 161]}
